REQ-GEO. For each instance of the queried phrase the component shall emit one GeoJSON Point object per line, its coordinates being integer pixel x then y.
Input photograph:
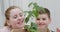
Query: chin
{"type": "Point", "coordinates": [42, 27]}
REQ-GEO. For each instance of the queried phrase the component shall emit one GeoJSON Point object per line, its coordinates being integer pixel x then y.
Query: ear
{"type": "Point", "coordinates": [49, 20]}
{"type": "Point", "coordinates": [8, 22]}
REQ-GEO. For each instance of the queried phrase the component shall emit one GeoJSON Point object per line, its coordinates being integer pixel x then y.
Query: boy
{"type": "Point", "coordinates": [43, 20]}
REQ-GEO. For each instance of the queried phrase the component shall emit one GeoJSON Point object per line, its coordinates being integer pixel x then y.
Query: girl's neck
{"type": "Point", "coordinates": [10, 29]}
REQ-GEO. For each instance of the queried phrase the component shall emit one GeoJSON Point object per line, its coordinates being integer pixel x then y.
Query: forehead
{"type": "Point", "coordinates": [43, 15]}
{"type": "Point", "coordinates": [15, 11]}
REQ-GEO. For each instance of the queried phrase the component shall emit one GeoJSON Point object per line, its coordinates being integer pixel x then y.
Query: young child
{"type": "Point", "coordinates": [43, 20]}
{"type": "Point", "coordinates": [14, 20]}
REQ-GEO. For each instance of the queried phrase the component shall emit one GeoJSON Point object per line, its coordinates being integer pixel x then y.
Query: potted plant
{"type": "Point", "coordinates": [35, 9]}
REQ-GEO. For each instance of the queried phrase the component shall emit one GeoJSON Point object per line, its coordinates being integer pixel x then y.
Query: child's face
{"type": "Point", "coordinates": [16, 19]}
{"type": "Point", "coordinates": [43, 20]}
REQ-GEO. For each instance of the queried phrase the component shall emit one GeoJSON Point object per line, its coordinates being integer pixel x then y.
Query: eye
{"type": "Point", "coordinates": [21, 15]}
{"type": "Point", "coordinates": [43, 18]}
{"type": "Point", "coordinates": [38, 18]}
{"type": "Point", "coordinates": [15, 16]}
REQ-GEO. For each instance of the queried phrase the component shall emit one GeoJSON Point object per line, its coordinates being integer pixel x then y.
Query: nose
{"type": "Point", "coordinates": [19, 18]}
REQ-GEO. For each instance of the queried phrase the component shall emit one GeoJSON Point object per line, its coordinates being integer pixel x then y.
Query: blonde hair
{"type": "Point", "coordinates": [7, 13]}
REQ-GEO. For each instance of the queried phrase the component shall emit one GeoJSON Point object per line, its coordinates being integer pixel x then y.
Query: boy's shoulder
{"type": "Point", "coordinates": [52, 31]}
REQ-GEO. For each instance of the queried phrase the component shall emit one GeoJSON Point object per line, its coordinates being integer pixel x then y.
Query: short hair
{"type": "Point", "coordinates": [45, 11]}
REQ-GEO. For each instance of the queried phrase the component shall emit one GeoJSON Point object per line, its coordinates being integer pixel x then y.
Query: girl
{"type": "Point", "coordinates": [14, 20]}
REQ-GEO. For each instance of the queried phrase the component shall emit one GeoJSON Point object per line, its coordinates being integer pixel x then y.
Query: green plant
{"type": "Point", "coordinates": [32, 27]}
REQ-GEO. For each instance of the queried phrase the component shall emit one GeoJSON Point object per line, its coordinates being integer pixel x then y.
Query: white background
{"type": "Point", "coordinates": [52, 5]}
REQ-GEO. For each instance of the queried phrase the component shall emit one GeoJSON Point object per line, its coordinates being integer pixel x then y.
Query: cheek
{"type": "Point", "coordinates": [13, 22]}
{"type": "Point", "coordinates": [37, 22]}
{"type": "Point", "coordinates": [47, 22]}
{"type": "Point", "coordinates": [22, 17]}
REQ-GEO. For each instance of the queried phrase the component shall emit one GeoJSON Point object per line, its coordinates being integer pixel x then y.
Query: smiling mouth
{"type": "Point", "coordinates": [41, 24]}
{"type": "Point", "coordinates": [20, 22]}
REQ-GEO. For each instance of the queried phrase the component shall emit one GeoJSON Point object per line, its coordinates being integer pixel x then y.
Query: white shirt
{"type": "Point", "coordinates": [5, 29]}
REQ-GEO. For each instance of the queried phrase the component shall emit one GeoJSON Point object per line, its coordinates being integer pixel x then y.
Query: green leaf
{"type": "Point", "coordinates": [33, 27]}
{"type": "Point", "coordinates": [27, 27]}
{"type": "Point", "coordinates": [30, 4]}
{"type": "Point", "coordinates": [28, 17]}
